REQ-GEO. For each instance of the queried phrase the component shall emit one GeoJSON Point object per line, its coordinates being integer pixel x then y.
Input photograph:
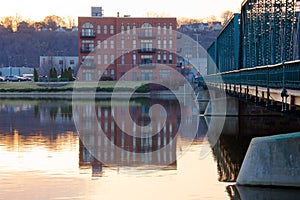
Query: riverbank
{"type": "Point", "coordinates": [78, 90]}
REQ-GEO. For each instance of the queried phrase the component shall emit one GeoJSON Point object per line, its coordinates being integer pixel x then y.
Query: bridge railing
{"type": "Point", "coordinates": [283, 75]}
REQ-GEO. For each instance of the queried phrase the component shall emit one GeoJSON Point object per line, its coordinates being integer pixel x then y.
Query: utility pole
{"type": "Point", "coordinates": [197, 35]}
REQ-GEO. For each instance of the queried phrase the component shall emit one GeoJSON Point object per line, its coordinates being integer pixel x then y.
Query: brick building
{"type": "Point", "coordinates": [111, 46]}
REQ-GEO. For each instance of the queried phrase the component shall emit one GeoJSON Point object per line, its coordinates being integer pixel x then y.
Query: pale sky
{"type": "Point", "coordinates": [38, 9]}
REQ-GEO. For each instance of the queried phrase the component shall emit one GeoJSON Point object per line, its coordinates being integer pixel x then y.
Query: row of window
{"type": "Point", "coordinates": [60, 62]}
{"type": "Point", "coordinates": [89, 75]}
{"type": "Point", "coordinates": [146, 29]}
{"type": "Point", "coordinates": [88, 45]}
{"type": "Point", "coordinates": [145, 59]}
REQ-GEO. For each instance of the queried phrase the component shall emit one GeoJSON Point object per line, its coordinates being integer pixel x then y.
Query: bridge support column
{"type": "Point", "coordinates": [241, 91]}
{"type": "Point", "coordinates": [262, 99]}
{"type": "Point", "coordinates": [247, 92]}
{"type": "Point", "coordinates": [268, 97]}
{"type": "Point", "coordinates": [291, 102]}
{"type": "Point", "coordinates": [256, 94]}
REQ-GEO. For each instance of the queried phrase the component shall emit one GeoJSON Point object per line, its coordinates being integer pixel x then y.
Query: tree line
{"type": "Point", "coordinates": [22, 42]}
{"type": "Point", "coordinates": [19, 24]}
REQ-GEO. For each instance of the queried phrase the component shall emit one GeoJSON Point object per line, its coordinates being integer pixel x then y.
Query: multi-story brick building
{"type": "Point", "coordinates": [111, 46]}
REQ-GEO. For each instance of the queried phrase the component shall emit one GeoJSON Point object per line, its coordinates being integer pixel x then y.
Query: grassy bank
{"type": "Point", "coordinates": [107, 86]}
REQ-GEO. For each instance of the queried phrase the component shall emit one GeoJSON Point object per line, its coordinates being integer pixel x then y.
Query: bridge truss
{"type": "Point", "coordinates": [267, 32]}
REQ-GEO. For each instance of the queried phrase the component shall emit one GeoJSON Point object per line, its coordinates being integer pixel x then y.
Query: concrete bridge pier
{"type": "Point", "coordinates": [272, 161]}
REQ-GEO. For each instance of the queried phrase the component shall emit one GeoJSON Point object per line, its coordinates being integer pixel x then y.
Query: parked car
{"type": "Point", "coordinates": [14, 78]}
{"type": "Point", "coordinates": [2, 79]}
{"type": "Point", "coordinates": [27, 78]}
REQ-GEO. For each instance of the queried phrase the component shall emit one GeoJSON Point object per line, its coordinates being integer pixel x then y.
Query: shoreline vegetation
{"type": "Point", "coordinates": [102, 86]}
{"type": "Point", "coordinates": [58, 87]}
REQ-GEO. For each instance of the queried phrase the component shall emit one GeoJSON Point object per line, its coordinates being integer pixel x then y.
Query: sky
{"type": "Point", "coordinates": [38, 9]}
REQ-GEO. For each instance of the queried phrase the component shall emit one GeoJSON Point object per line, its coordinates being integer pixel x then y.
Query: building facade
{"type": "Point", "coordinates": [57, 62]}
{"type": "Point", "coordinates": [112, 46]}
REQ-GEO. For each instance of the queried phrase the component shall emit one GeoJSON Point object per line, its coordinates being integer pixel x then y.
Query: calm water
{"type": "Point", "coordinates": [43, 156]}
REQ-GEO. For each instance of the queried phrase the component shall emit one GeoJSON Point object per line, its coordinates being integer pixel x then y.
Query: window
{"type": "Point", "coordinates": [88, 75]}
{"type": "Point", "coordinates": [99, 59]}
{"type": "Point", "coordinates": [112, 59]}
{"type": "Point", "coordinates": [170, 29]}
{"type": "Point", "coordinates": [87, 29]}
{"type": "Point", "coordinates": [159, 44]}
{"type": "Point", "coordinates": [105, 29]}
{"type": "Point", "coordinates": [105, 59]}
{"type": "Point", "coordinates": [88, 61]}
{"type": "Point", "coordinates": [158, 58]}
{"type": "Point", "coordinates": [61, 62]}
{"type": "Point", "coordinates": [146, 75]}
{"type": "Point", "coordinates": [98, 44]}
{"type": "Point", "coordinates": [122, 59]}
{"type": "Point", "coordinates": [99, 76]}
{"type": "Point", "coordinates": [72, 62]}
{"type": "Point", "coordinates": [87, 46]}
{"type": "Point", "coordinates": [146, 59]}
{"type": "Point", "coordinates": [133, 44]}
{"type": "Point", "coordinates": [165, 29]}
{"type": "Point", "coordinates": [158, 29]}
{"type": "Point", "coordinates": [134, 59]}
{"type": "Point", "coordinates": [146, 30]}
{"type": "Point", "coordinates": [112, 74]}
{"type": "Point", "coordinates": [98, 29]}
{"type": "Point", "coordinates": [170, 44]}
{"type": "Point", "coordinates": [165, 58]}
{"type": "Point", "coordinates": [134, 29]}
{"type": "Point", "coordinates": [112, 29]}
{"type": "Point", "coordinates": [112, 44]}
{"type": "Point", "coordinates": [105, 112]}
{"type": "Point", "coordinates": [170, 58]}
{"type": "Point", "coordinates": [164, 44]}
{"type": "Point", "coordinates": [146, 44]}
{"type": "Point", "coordinates": [128, 29]}
{"type": "Point", "coordinates": [122, 28]}
{"type": "Point", "coordinates": [105, 44]}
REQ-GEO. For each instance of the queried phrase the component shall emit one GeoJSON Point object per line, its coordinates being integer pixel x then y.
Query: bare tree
{"type": "Point", "coordinates": [184, 20]}
{"type": "Point", "coordinates": [53, 22]}
{"type": "Point", "coordinates": [225, 16]}
{"type": "Point", "coordinates": [8, 23]}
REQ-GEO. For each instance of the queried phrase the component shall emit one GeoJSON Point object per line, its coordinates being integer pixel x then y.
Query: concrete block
{"type": "Point", "coordinates": [272, 161]}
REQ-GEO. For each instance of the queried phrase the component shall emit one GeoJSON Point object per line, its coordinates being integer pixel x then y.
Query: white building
{"type": "Point", "coordinates": [57, 62]}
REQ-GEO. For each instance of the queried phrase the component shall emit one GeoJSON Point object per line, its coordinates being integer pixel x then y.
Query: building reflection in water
{"type": "Point", "coordinates": [154, 147]}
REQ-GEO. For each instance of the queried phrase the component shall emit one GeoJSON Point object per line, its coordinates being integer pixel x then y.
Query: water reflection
{"type": "Point", "coordinates": [148, 143]}
{"type": "Point", "coordinates": [260, 193]}
{"type": "Point", "coordinates": [34, 117]}
{"type": "Point", "coordinates": [39, 137]}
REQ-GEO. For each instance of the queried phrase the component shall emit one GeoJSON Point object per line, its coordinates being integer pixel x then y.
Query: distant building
{"type": "Point", "coordinates": [216, 26]}
{"type": "Point", "coordinates": [198, 27]}
{"type": "Point", "coordinates": [61, 29]}
{"type": "Point", "coordinates": [97, 12]}
{"type": "Point", "coordinates": [141, 42]}
{"type": "Point", "coordinates": [57, 62]}
{"type": "Point", "coordinates": [19, 71]}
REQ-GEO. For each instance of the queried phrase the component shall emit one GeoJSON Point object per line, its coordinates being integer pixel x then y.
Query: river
{"type": "Point", "coordinates": [51, 149]}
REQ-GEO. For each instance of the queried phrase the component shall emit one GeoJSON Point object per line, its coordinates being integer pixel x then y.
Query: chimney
{"type": "Point", "coordinates": [118, 14]}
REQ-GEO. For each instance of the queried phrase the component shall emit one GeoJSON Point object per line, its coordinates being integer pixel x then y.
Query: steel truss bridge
{"type": "Point", "coordinates": [257, 52]}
